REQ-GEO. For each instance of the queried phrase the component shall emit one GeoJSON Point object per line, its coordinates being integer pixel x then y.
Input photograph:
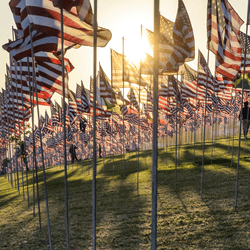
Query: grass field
{"type": "Point", "coordinates": [185, 221]}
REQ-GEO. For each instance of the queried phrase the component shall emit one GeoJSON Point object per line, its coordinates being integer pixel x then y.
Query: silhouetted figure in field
{"type": "Point", "coordinates": [245, 118]}
{"type": "Point", "coordinates": [72, 151]}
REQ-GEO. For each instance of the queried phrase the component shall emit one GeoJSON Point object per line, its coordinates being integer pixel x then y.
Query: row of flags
{"type": "Point", "coordinates": [180, 99]}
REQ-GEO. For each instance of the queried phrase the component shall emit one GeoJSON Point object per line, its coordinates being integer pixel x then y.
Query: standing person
{"type": "Point", "coordinates": [127, 147]}
{"type": "Point", "coordinates": [72, 151]}
{"type": "Point", "coordinates": [133, 146]}
{"type": "Point", "coordinates": [245, 118]}
{"type": "Point", "coordinates": [100, 151]}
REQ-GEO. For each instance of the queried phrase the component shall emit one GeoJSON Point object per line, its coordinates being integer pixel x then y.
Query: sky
{"type": "Point", "coordinates": [124, 19]}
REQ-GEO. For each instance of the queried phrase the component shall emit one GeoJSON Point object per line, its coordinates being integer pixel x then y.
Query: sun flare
{"type": "Point", "coordinates": [136, 50]}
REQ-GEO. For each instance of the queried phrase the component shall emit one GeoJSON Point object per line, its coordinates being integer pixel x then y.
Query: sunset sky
{"type": "Point", "coordinates": [123, 18]}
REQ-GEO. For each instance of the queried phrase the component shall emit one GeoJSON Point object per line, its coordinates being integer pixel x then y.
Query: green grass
{"type": "Point", "coordinates": [185, 221]}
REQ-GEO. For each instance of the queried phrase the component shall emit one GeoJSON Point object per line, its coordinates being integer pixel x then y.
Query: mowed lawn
{"type": "Point", "coordinates": [185, 221]}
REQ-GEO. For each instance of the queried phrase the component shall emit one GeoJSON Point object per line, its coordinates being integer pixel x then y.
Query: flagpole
{"type": "Point", "coordinates": [155, 125]}
{"type": "Point", "coordinates": [123, 104]}
{"type": "Point", "coordinates": [233, 129]}
{"type": "Point", "coordinates": [19, 127]}
{"type": "Point", "coordinates": [228, 130]}
{"type": "Point", "coordinates": [204, 128]}
{"type": "Point", "coordinates": [9, 134]}
{"type": "Point", "coordinates": [24, 139]}
{"type": "Point", "coordinates": [33, 138]}
{"type": "Point", "coordinates": [14, 122]}
{"type": "Point", "coordinates": [64, 137]}
{"type": "Point", "coordinates": [244, 70]}
{"type": "Point", "coordinates": [176, 139]}
{"type": "Point", "coordinates": [111, 113]}
{"type": "Point", "coordinates": [40, 134]}
{"type": "Point", "coordinates": [94, 129]}
{"type": "Point", "coordinates": [138, 147]}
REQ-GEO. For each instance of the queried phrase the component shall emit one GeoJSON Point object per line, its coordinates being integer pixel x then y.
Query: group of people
{"type": "Point", "coordinates": [72, 151]}
{"type": "Point", "coordinates": [133, 149]}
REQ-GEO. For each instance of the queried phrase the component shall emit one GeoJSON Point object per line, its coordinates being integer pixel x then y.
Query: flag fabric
{"type": "Point", "coordinates": [73, 114]}
{"type": "Point", "coordinates": [82, 99]}
{"type": "Point", "coordinates": [223, 26]}
{"type": "Point", "coordinates": [131, 72]}
{"type": "Point", "coordinates": [105, 88]}
{"type": "Point", "coordinates": [45, 18]}
{"type": "Point", "coordinates": [184, 45]}
{"type": "Point", "coordinates": [221, 21]}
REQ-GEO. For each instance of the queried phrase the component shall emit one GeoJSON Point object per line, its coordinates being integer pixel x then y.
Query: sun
{"type": "Point", "coordinates": [136, 50]}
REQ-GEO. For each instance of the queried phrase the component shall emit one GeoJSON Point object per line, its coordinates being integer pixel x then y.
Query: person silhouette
{"type": "Point", "coordinates": [245, 116]}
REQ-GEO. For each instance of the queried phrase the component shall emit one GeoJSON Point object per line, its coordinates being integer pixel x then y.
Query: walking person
{"type": "Point", "coordinates": [245, 118]}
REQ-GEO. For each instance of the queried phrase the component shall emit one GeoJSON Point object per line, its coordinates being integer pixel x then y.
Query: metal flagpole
{"type": "Point", "coordinates": [241, 114]}
{"type": "Point", "coordinates": [40, 135]}
{"type": "Point", "coordinates": [123, 104]}
{"type": "Point", "coordinates": [9, 134]}
{"type": "Point", "coordinates": [204, 128]}
{"type": "Point", "coordinates": [24, 139]}
{"type": "Point", "coordinates": [14, 123]}
{"type": "Point", "coordinates": [246, 135]}
{"type": "Point", "coordinates": [228, 126]}
{"type": "Point", "coordinates": [233, 130]}
{"type": "Point", "coordinates": [94, 130]}
{"type": "Point", "coordinates": [64, 138]}
{"type": "Point", "coordinates": [33, 139]}
{"type": "Point", "coordinates": [196, 100]}
{"type": "Point", "coordinates": [19, 127]}
{"type": "Point", "coordinates": [176, 144]}
{"type": "Point", "coordinates": [155, 126]}
{"type": "Point", "coordinates": [111, 115]}
{"type": "Point", "coordinates": [212, 127]}
{"type": "Point", "coordinates": [138, 147]}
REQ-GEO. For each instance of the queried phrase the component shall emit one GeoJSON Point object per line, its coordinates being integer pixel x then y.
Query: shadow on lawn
{"type": "Point", "coordinates": [120, 224]}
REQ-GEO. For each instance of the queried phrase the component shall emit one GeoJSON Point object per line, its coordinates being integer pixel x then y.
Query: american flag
{"type": "Point", "coordinates": [72, 107]}
{"type": "Point", "coordinates": [166, 48]}
{"type": "Point", "coordinates": [223, 26]}
{"type": "Point", "coordinates": [105, 88]}
{"type": "Point", "coordinates": [77, 22]}
{"type": "Point", "coordinates": [134, 98]}
{"type": "Point", "coordinates": [82, 99]}
{"type": "Point", "coordinates": [184, 45]}
{"type": "Point", "coordinates": [131, 72]}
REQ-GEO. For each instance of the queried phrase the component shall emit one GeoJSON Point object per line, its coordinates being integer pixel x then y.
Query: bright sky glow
{"type": "Point", "coordinates": [124, 18]}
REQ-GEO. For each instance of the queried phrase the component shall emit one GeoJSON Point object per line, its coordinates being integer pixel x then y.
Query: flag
{"type": "Point", "coordinates": [134, 98]}
{"type": "Point", "coordinates": [82, 99]}
{"type": "Point", "coordinates": [45, 21]}
{"type": "Point", "coordinates": [131, 72]}
{"type": "Point", "coordinates": [223, 26]}
{"type": "Point", "coordinates": [105, 88]}
{"type": "Point", "coordinates": [166, 49]}
{"type": "Point", "coordinates": [221, 21]}
{"type": "Point", "coordinates": [72, 107]}
{"type": "Point", "coordinates": [184, 45]}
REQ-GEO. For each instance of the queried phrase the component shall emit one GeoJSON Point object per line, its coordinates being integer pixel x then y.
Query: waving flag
{"type": "Point", "coordinates": [46, 27]}
{"type": "Point", "coordinates": [223, 27]}
{"type": "Point", "coordinates": [184, 45]}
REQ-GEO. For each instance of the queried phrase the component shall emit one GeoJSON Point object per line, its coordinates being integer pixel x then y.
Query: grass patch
{"type": "Point", "coordinates": [185, 221]}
